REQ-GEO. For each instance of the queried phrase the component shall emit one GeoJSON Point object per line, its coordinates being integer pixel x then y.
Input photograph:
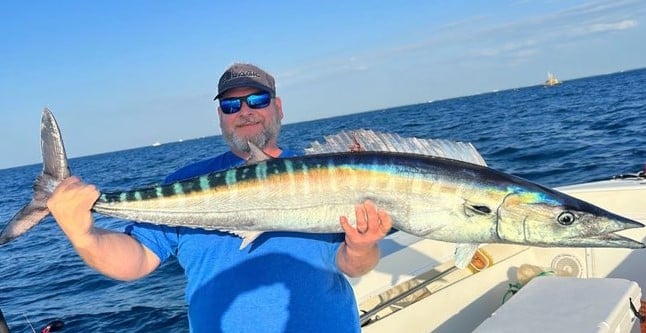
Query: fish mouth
{"type": "Point", "coordinates": [606, 240]}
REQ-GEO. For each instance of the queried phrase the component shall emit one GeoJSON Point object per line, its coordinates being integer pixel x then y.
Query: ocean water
{"type": "Point", "coordinates": [584, 130]}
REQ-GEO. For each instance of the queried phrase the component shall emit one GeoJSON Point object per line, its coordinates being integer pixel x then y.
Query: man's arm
{"type": "Point", "coordinates": [113, 254]}
{"type": "Point", "coordinates": [360, 252]}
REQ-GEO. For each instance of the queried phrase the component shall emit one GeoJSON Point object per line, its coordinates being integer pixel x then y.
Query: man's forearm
{"type": "Point", "coordinates": [115, 254]}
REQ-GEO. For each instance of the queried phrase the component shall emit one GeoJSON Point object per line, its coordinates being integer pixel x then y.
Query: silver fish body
{"type": "Point", "coordinates": [428, 196]}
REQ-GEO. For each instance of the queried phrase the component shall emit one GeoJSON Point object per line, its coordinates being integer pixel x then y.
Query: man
{"type": "Point", "coordinates": [283, 281]}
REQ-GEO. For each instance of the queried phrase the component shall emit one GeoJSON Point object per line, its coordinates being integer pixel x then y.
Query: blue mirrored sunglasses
{"type": "Point", "coordinates": [256, 100]}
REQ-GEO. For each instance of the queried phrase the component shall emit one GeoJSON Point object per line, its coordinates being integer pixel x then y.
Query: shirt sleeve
{"type": "Point", "coordinates": [161, 240]}
{"type": "Point", "coordinates": [335, 243]}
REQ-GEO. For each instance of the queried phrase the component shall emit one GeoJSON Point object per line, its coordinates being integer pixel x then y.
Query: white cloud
{"type": "Point", "coordinates": [587, 29]}
{"type": "Point", "coordinates": [603, 27]}
{"type": "Point", "coordinates": [522, 48]}
{"type": "Point", "coordinates": [319, 70]}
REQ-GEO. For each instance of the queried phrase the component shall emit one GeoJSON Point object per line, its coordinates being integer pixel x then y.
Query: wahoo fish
{"type": "Point", "coordinates": [434, 189]}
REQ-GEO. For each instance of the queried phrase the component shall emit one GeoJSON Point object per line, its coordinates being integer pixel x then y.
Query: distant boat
{"type": "Point", "coordinates": [551, 80]}
{"type": "Point", "coordinates": [156, 144]}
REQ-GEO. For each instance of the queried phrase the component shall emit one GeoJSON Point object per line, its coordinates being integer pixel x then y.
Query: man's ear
{"type": "Point", "coordinates": [279, 107]}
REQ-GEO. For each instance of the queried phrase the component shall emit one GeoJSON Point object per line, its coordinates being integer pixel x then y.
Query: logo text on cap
{"type": "Point", "coordinates": [243, 74]}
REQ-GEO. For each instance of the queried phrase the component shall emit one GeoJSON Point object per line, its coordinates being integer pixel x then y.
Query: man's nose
{"type": "Point", "coordinates": [244, 108]}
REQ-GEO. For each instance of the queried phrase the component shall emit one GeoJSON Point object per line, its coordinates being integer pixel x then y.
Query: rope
{"type": "Point", "coordinates": [513, 288]}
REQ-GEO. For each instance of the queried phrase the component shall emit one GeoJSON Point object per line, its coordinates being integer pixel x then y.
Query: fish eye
{"type": "Point", "coordinates": [566, 218]}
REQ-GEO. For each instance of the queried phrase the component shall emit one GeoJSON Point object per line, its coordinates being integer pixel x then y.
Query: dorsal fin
{"type": "Point", "coordinates": [368, 140]}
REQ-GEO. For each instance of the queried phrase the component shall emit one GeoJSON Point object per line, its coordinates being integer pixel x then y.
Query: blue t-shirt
{"type": "Point", "coordinates": [282, 282]}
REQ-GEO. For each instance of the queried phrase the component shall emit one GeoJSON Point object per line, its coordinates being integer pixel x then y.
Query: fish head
{"type": "Point", "coordinates": [552, 218]}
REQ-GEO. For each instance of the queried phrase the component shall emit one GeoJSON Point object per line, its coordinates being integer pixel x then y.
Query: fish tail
{"type": "Point", "coordinates": [55, 169]}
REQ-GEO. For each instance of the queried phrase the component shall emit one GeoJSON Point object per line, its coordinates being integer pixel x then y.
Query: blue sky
{"type": "Point", "coordinates": [124, 74]}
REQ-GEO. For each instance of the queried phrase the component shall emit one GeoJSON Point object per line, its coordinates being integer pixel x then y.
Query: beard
{"type": "Point", "coordinates": [260, 140]}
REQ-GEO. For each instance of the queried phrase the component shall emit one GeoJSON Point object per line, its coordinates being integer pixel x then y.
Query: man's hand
{"type": "Point", "coordinates": [71, 205]}
{"type": "Point", "coordinates": [373, 224]}
{"type": "Point", "coordinates": [360, 252]}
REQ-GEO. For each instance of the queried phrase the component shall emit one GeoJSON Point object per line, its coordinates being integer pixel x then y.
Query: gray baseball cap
{"type": "Point", "coordinates": [245, 75]}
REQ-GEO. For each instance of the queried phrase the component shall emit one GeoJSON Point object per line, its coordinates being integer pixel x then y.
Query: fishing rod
{"type": "Point", "coordinates": [366, 317]}
{"type": "Point", "coordinates": [3, 324]}
{"type": "Point", "coordinates": [52, 326]}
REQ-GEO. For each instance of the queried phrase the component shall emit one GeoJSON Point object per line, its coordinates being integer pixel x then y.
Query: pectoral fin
{"type": "Point", "coordinates": [464, 254]}
{"type": "Point", "coordinates": [247, 236]}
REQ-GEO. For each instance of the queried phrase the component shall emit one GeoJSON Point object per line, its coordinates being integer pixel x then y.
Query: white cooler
{"type": "Point", "coordinates": [567, 304]}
